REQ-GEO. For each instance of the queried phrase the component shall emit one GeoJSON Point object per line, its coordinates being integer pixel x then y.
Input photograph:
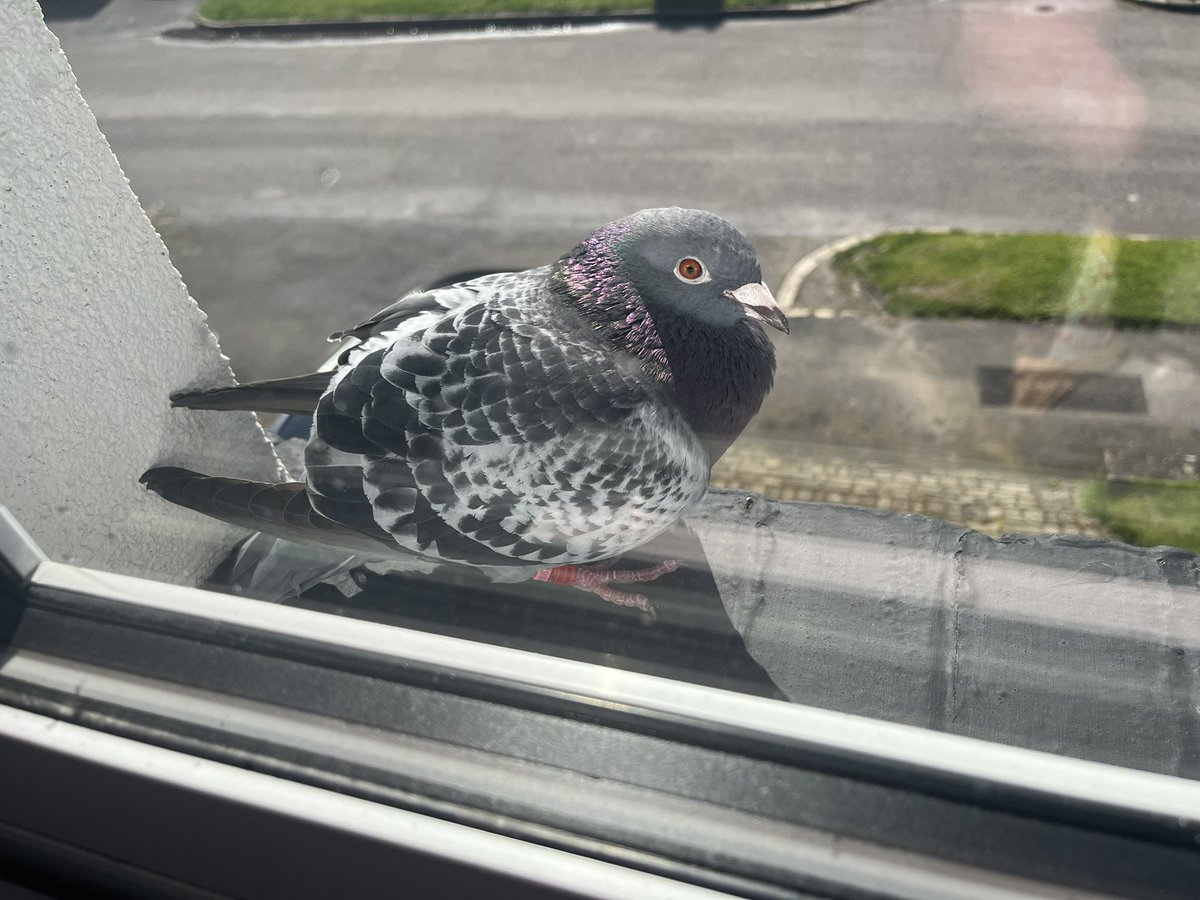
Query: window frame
{"type": "Point", "coordinates": [49, 609]}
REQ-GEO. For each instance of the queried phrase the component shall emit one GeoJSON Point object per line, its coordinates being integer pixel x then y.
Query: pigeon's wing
{"type": "Point", "coordinates": [503, 432]}
{"type": "Point", "coordinates": [437, 301]}
{"type": "Point", "coordinates": [299, 394]}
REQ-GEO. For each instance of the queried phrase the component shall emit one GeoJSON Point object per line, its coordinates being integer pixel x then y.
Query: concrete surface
{"type": "Point", "coordinates": [911, 386]}
{"type": "Point", "coordinates": [1069, 645]}
{"type": "Point", "coordinates": [96, 330]}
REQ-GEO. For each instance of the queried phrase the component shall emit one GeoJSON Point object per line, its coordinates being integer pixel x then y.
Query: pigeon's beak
{"type": "Point", "coordinates": [756, 299]}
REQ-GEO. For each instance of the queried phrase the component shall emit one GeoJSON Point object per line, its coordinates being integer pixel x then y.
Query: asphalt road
{"type": "Point", "coordinates": [300, 185]}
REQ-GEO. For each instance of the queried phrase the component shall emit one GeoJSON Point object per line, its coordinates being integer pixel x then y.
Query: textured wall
{"type": "Point", "coordinates": [96, 329]}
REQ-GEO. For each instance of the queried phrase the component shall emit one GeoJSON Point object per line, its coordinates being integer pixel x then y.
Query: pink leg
{"type": "Point", "coordinates": [597, 577]}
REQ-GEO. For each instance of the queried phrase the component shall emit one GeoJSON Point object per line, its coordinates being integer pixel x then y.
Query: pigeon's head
{"type": "Point", "coordinates": [692, 263]}
{"type": "Point", "coordinates": [682, 291]}
{"type": "Point", "coordinates": [669, 265]}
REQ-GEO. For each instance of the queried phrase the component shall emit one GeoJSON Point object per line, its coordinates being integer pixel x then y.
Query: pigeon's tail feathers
{"type": "Point", "coordinates": [298, 394]}
{"type": "Point", "coordinates": [281, 510]}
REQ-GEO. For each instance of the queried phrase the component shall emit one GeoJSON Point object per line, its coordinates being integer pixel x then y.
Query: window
{"type": "Point", "coordinates": [932, 631]}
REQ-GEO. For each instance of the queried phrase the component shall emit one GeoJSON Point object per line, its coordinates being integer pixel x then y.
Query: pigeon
{"type": "Point", "coordinates": [536, 424]}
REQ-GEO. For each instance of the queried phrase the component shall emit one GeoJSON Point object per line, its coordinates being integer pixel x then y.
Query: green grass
{"type": "Point", "coordinates": [350, 10]}
{"type": "Point", "coordinates": [1031, 277]}
{"type": "Point", "coordinates": [1148, 514]}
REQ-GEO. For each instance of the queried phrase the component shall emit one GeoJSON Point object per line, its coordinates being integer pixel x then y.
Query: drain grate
{"type": "Point", "coordinates": [1046, 387]}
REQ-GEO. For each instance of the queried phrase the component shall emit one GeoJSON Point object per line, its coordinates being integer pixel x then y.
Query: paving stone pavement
{"type": "Point", "coordinates": [994, 501]}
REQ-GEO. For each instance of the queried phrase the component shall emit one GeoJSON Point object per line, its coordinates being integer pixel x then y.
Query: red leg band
{"type": "Point", "coordinates": [558, 575]}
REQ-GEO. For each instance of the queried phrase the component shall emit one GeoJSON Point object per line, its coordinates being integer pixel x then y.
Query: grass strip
{"type": "Point", "coordinates": [231, 11]}
{"type": "Point", "coordinates": [1148, 514]}
{"type": "Point", "coordinates": [1031, 277]}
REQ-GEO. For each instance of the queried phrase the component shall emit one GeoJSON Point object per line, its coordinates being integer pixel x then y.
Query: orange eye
{"type": "Point", "coordinates": [689, 268]}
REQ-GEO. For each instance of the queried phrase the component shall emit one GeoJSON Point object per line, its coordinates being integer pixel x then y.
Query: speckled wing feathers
{"type": "Point", "coordinates": [485, 424]}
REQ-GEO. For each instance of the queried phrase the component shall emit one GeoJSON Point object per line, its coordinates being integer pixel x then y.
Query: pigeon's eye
{"type": "Point", "coordinates": [691, 270]}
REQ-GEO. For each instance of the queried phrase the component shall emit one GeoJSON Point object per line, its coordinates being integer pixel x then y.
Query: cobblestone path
{"type": "Point", "coordinates": [994, 501]}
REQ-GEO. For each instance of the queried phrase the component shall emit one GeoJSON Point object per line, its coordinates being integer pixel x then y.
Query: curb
{"type": "Point", "coordinates": [789, 288]}
{"type": "Point", "coordinates": [391, 24]}
{"type": "Point", "coordinates": [793, 281]}
{"type": "Point", "coordinates": [1174, 5]}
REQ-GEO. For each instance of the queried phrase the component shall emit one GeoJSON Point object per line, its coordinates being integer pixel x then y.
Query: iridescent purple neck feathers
{"type": "Point", "coordinates": [591, 279]}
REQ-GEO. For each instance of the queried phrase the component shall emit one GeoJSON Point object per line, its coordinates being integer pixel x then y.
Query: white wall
{"type": "Point", "coordinates": [96, 330]}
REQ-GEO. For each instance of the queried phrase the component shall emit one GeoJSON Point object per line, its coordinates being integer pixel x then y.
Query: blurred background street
{"type": "Point", "coordinates": [302, 184]}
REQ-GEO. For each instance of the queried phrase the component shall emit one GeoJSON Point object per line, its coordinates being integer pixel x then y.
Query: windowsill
{"type": "Point", "coordinates": [588, 753]}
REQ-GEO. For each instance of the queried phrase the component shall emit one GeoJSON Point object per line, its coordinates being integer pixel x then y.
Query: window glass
{"type": "Point", "coordinates": [969, 502]}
